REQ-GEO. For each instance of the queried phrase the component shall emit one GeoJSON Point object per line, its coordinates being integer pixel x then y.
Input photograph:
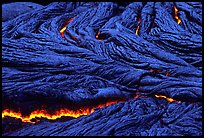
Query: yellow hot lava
{"type": "Point", "coordinates": [62, 31]}
{"type": "Point", "coordinates": [44, 114]}
{"type": "Point", "coordinates": [168, 99]}
{"type": "Point", "coordinates": [65, 26]}
{"type": "Point", "coordinates": [64, 112]}
{"type": "Point", "coordinates": [58, 114]}
{"type": "Point", "coordinates": [138, 26]}
{"type": "Point", "coordinates": [176, 15]}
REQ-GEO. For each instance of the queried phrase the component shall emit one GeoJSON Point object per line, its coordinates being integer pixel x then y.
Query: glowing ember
{"type": "Point", "coordinates": [176, 15]}
{"type": "Point", "coordinates": [138, 27]}
{"type": "Point", "coordinates": [168, 99]}
{"type": "Point", "coordinates": [58, 114]}
{"type": "Point", "coordinates": [65, 26]}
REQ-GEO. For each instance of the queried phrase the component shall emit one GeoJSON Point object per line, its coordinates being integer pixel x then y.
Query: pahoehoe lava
{"type": "Point", "coordinates": [102, 69]}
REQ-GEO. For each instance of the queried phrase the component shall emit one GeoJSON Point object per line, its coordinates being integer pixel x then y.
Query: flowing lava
{"type": "Point", "coordinates": [44, 114]}
{"type": "Point", "coordinates": [138, 27]}
{"type": "Point", "coordinates": [65, 26]}
{"type": "Point", "coordinates": [65, 112]}
{"type": "Point", "coordinates": [168, 99]}
{"type": "Point", "coordinates": [71, 113]}
{"type": "Point", "coordinates": [176, 15]}
{"type": "Point", "coordinates": [58, 114]}
{"type": "Point", "coordinates": [158, 96]}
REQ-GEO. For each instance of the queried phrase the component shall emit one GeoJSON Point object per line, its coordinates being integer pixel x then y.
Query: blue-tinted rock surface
{"type": "Point", "coordinates": [42, 67]}
{"type": "Point", "coordinates": [12, 10]}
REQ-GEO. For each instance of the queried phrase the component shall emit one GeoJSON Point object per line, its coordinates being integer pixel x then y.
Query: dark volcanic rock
{"type": "Point", "coordinates": [10, 124]}
{"type": "Point", "coordinates": [101, 56]}
{"type": "Point", "coordinates": [12, 10]}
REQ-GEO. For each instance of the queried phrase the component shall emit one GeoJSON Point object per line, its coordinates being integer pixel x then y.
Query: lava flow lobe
{"type": "Point", "coordinates": [102, 68]}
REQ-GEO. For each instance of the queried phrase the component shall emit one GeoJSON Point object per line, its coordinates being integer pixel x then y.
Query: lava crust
{"type": "Point", "coordinates": [102, 69]}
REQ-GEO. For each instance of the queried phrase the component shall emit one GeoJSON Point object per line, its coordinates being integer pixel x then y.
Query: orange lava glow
{"type": "Point", "coordinates": [159, 71]}
{"type": "Point", "coordinates": [167, 74]}
{"type": "Point", "coordinates": [37, 114]}
{"type": "Point", "coordinates": [97, 36]}
{"type": "Point", "coordinates": [136, 96]}
{"type": "Point", "coordinates": [58, 114]}
{"type": "Point", "coordinates": [168, 99]}
{"type": "Point", "coordinates": [138, 27]}
{"type": "Point", "coordinates": [176, 15]}
{"type": "Point", "coordinates": [62, 31]}
{"type": "Point", "coordinates": [65, 26]}
{"type": "Point", "coordinates": [155, 70]}
{"type": "Point", "coordinates": [44, 114]}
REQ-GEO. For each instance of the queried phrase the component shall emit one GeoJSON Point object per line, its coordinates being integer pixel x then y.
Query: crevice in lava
{"type": "Point", "coordinates": [36, 115]}
{"type": "Point", "coordinates": [159, 71]}
{"type": "Point", "coordinates": [178, 20]}
{"type": "Point", "coordinates": [98, 36]}
{"type": "Point", "coordinates": [168, 99]}
{"type": "Point", "coordinates": [138, 26]}
{"type": "Point", "coordinates": [62, 30]}
{"type": "Point", "coordinates": [54, 115]}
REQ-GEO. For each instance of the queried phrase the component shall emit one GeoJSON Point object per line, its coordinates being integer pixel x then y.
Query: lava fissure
{"type": "Point", "coordinates": [65, 26]}
{"type": "Point", "coordinates": [138, 26]}
{"type": "Point", "coordinates": [65, 112]}
{"type": "Point", "coordinates": [97, 36]}
{"type": "Point", "coordinates": [56, 115]}
{"type": "Point", "coordinates": [176, 15]}
{"type": "Point", "coordinates": [166, 98]}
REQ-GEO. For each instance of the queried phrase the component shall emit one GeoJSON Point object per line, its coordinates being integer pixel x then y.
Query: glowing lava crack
{"type": "Point", "coordinates": [58, 114]}
{"type": "Point", "coordinates": [176, 15]}
{"type": "Point", "coordinates": [64, 112]}
{"type": "Point", "coordinates": [138, 27]}
{"type": "Point", "coordinates": [65, 26]}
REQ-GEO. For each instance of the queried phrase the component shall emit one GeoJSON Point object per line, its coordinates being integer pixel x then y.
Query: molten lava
{"type": "Point", "coordinates": [64, 112]}
{"type": "Point", "coordinates": [44, 114]}
{"type": "Point", "coordinates": [65, 26]}
{"type": "Point", "coordinates": [138, 27]}
{"type": "Point", "coordinates": [62, 31]}
{"type": "Point", "coordinates": [58, 114]}
{"type": "Point", "coordinates": [168, 99]}
{"type": "Point", "coordinates": [176, 15]}
{"type": "Point", "coordinates": [97, 36]}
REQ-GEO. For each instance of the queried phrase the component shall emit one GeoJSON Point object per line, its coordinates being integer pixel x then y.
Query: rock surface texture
{"type": "Point", "coordinates": [119, 69]}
